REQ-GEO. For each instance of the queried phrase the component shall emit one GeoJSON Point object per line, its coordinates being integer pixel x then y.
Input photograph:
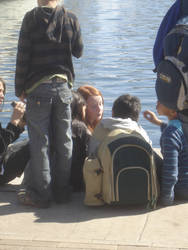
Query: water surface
{"type": "Point", "coordinates": [118, 40]}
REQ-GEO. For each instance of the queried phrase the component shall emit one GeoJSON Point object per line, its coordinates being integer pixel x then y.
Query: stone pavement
{"type": "Point", "coordinates": [74, 226]}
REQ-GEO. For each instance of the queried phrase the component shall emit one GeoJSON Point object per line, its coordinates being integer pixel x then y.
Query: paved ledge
{"type": "Point", "coordinates": [77, 227]}
{"type": "Point", "coordinates": [40, 245]}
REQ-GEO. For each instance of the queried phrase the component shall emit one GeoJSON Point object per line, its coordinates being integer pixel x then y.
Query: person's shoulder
{"type": "Point", "coordinates": [29, 15]}
{"type": "Point", "coordinates": [101, 130]}
{"type": "Point", "coordinates": [32, 11]}
{"type": "Point", "coordinates": [174, 126]}
{"type": "Point", "coordinates": [78, 123]}
{"type": "Point", "coordinates": [79, 128]}
{"type": "Point", "coordinates": [172, 134]}
{"type": "Point", "coordinates": [170, 129]}
{"type": "Point", "coordinates": [107, 122]}
{"type": "Point", "coordinates": [71, 15]}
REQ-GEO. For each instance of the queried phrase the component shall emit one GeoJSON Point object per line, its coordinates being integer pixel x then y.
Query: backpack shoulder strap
{"type": "Point", "coordinates": [117, 133]}
{"type": "Point", "coordinates": [114, 135]}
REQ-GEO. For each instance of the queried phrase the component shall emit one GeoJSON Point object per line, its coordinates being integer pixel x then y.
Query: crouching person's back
{"type": "Point", "coordinates": [121, 165]}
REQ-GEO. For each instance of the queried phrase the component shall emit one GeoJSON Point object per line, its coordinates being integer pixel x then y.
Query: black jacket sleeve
{"type": "Point", "coordinates": [8, 135]}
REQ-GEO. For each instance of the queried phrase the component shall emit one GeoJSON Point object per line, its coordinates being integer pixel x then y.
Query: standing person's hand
{"type": "Point", "coordinates": [22, 97]}
{"type": "Point", "coordinates": [151, 117]}
{"type": "Point", "coordinates": [17, 115]}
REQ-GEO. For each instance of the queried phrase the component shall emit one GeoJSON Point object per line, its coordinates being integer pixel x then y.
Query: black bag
{"type": "Point", "coordinates": [15, 160]}
{"type": "Point", "coordinates": [175, 44]}
{"type": "Point", "coordinates": [172, 72]}
{"type": "Point", "coordinates": [124, 172]}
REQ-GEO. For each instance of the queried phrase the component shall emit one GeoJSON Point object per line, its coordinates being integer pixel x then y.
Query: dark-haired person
{"type": "Point", "coordinates": [125, 115]}
{"type": "Point", "coordinates": [174, 148]}
{"type": "Point", "coordinates": [80, 136]}
{"type": "Point", "coordinates": [12, 164]}
{"type": "Point", "coordinates": [176, 16]}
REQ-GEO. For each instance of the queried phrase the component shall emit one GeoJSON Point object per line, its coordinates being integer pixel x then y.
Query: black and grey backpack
{"type": "Point", "coordinates": [172, 72]}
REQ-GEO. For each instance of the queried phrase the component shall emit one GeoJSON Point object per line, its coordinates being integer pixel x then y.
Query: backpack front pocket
{"type": "Point", "coordinates": [92, 174]}
{"type": "Point", "coordinates": [132, 185]}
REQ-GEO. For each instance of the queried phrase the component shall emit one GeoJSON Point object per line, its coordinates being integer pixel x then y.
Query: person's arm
{"type": "Point", "coordinates": [8, 135]}
{"type": "Point", "coordinates": [163, 126]}
{"type": "Point", "coordinates": [11, 133]}
{"type": "Point", "coordinates": [17, 115]}
{"type": "Point", "coordinates": [23, 59]}
{"type": "Point", "coordinates": [170, 147]}
{"type": "Point", "coordinates": [14, 128]}
{"type": "Point", "coordinates": [151, 117]}
{"type": "Point", "coordinates": [77, 43]}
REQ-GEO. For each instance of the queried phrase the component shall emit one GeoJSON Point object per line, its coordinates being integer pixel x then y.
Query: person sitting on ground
{"type": "Point", "coordinates": [95, 105]}
{"type": "Point", "coordinates": [12, 164]}
{"type": "Point", "coordinates": [176, 15]}
{"type": "Point", "coordinates": [174, 148]}
{"type": "Point", "coordinates": [125, 115]}
{"type": "Point", "coordinates": [80, 136]}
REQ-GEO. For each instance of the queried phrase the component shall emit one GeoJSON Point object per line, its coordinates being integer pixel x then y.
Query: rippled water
{"type": "Point", "coordinates": [118, 38]}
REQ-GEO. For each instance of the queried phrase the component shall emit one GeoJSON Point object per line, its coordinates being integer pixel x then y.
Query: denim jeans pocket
{"type": "Point", "coordinates": [65, 94]}
{"type": "Point", "coordinates": [36, 104]}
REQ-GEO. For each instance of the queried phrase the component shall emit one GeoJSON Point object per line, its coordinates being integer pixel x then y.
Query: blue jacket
{"type": "Point", "coordinates": [174, 148]}
{"type": "Point", "coordinates": [168, 22]}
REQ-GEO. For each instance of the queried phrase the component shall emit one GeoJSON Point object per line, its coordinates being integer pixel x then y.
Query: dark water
{"type": "Point", "coordinates": [118, 37]}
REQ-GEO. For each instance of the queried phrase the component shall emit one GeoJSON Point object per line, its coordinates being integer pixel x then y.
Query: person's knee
{"type": "Point", "coordinates": [181, 194]}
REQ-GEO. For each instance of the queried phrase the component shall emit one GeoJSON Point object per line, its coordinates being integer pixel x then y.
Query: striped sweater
{"type": "Point", "coordinates": [48, 39]}
{"type": "Point", "coordinates": [174, 148]}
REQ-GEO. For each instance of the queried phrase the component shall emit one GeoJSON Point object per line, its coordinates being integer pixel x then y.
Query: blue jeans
{"type": "Point", "coordinates": [49, 127]}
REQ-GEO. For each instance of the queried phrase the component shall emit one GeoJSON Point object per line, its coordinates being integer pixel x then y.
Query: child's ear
{"type": "Point", "coordinates": [174, 113]}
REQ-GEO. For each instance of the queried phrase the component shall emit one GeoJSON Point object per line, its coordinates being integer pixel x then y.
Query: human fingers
{"type": "Point", "coordinates": [20, 106]}
{"type": "Point", "coordinates": [148, 114]}
{"type": "Point", "coordinates": [22, 97]}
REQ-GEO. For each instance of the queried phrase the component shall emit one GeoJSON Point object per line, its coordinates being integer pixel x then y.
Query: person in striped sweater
{"type": "Point", "coordinates": [174, 148]}
{"type": "Point", "coordinates": [49, 37]}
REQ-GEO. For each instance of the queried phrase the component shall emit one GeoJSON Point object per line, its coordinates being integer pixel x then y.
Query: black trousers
{"type": "Point", "coordinates": [15, 161]}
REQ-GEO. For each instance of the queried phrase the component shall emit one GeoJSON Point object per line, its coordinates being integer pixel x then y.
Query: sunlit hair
{"type": "Point", "coordinates": [127, 106]}
{"type": "Point", "coordinates": [77, 104]}
{"type": "Point", "coordinates": [86, 91]}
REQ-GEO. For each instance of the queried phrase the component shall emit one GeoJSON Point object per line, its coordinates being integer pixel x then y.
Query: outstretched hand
{"type": "Point", "coordinates": [151, 117]}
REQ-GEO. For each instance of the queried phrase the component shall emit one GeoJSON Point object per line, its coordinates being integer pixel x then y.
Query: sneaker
{"type": "Point", "coordinates": [25, 199]}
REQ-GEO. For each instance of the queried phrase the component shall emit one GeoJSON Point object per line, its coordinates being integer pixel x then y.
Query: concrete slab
{"type": "Point", "coordinates": [167, 227]}
{"type": "Point", "coordinates": [75, 226]}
